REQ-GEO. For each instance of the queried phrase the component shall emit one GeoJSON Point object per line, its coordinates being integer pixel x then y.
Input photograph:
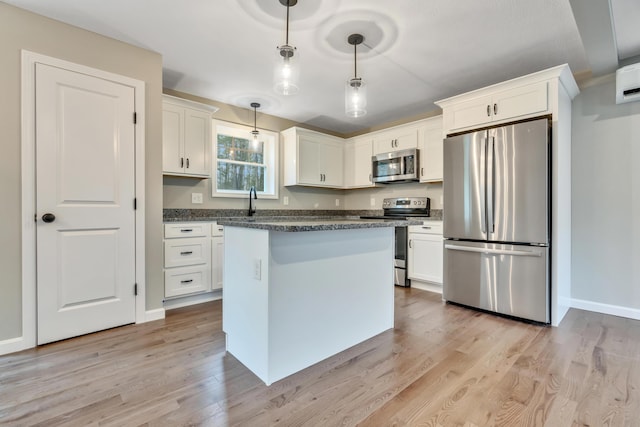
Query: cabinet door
{"type": "Point", "coordinates": [357, 163]}
{"type": "Point", "coordinates": [172, 139]}
{"type": "Point", "coordinates": [308, 161]}
{"type": "Point", "coordinates": [473, 112]}
{"type": "Point", "coordinates": [425, 257]}
{"type": "Point", "coordinates": [217, 262]}
{"type": "Point", "coordinates": [431, 159]}
{"type": "Point", "coordinates": [521, 101]}
{"type": "Point", "coordinates": [397, 139]}
{"type": "Point", "coordinates": [197, 142]}
{"type": "Point", "coordinates": [331, 164]}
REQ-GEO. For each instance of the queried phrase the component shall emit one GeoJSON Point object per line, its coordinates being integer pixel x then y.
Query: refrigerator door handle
{"type": "Point", "coordinates": [536, 253]}
{"type": "Point", "coordinates": [483, 189]}
{"type": "Point", "coordinates": [491, 185]}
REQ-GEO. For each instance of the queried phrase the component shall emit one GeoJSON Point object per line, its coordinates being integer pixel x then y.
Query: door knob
{"type": "Point", "coordinates": [48, 217]}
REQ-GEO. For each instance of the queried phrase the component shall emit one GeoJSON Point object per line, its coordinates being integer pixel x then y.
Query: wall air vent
{"type": "Point", "coordinates": [628, 84]}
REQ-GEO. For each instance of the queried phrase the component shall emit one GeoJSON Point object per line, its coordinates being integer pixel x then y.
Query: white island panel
{"type": "Point", "coordinates": [321, 292]}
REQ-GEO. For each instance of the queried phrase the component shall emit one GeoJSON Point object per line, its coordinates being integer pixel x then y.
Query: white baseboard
{"type": "Point", "coordinates": [172, 303]}
{"type": "Point", "coordinates": [13, 344]}
{"type": "Point", "coordinates": [614, 310]}
{"type": "Point", "coordinates": [151, 315]}
{"type": "Point", "coordinates": [425, 286]}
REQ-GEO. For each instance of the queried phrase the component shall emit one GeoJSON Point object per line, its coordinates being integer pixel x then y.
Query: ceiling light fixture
{"type": "Point", "coordinates": [255, 143]}
{"type": "Point", "coordinates": [355, 94]}
{"type": "Point", "coordinates": [287, 69]}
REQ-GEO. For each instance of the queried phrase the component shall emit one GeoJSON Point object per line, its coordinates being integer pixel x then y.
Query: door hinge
{"type": "Point", "coordinates": [135, 203]}
{"type": "Point", "coordinates": [135, 118]}
{"type": "Point", "coordinates": [135, 289]}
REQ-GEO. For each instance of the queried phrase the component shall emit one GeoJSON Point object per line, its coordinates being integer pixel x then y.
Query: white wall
{"type": "Point", "coordinates": [605, 201]}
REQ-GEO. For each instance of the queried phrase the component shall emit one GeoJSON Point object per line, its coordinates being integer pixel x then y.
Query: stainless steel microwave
{"type": "Point", "coordinates": [396, 166]}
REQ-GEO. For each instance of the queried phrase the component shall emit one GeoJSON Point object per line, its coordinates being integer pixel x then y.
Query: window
{"type": "Point", "coordinates": [240, 164]}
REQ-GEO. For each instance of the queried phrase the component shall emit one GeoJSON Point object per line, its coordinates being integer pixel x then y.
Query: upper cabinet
{"type": "Point", "coordinates": [357, 162]}
{"type": "Point", "coordinates": [430, 142]}
{"type": "Point", "coordinates": [399, 138]}
{"type": "Point", "coordinates": [186, 137]}
{"type": "Point", "coordinates": [312, 159]}
{"type": "Point", "coordinates": [502, 105]}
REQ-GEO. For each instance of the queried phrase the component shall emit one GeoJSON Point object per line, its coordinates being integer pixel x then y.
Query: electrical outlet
{"type": "Point", "coordinates": [257, 268]}
{"type": "Point", "coordinates": [441, 200]}
{"type": "Point", "coordinates": [337, 202]}
{"type": "Point", "coordinates": [373, 201]}
{"type": "Point", "coordinates": [285, 200]}
{"type": "Point", "coordinates": [196, 198]}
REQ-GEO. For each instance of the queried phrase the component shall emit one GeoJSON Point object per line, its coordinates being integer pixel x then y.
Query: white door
{"type": "Point", "coordinates": [85, 169]}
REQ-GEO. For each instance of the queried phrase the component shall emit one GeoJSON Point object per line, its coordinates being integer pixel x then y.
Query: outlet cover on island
{"type": "Point", "coordinates": [196, 198]}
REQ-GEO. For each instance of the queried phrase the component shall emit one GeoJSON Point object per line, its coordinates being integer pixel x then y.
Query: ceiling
{"type": "Point", "coordinates": [414, 53]}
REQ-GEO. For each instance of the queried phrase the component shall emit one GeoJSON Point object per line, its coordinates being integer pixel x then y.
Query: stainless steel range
{"type": "Point", "coordinates": [402, 208]}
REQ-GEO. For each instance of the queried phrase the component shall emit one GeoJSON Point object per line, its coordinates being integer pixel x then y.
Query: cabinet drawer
{"type": "Point", "coordinates": [429, 227]}
{"type": "Point", "coordinates": [217, 230]}
{"type": "Point", "coordinates": [182, 252]}
{"type": "Point", "coordinates": [185, 280]}
{"type": "Point", "coordinates": [188, 229]}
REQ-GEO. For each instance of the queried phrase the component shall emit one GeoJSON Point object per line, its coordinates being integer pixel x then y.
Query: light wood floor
{"type": "Point", "coordinates": [441, 366]}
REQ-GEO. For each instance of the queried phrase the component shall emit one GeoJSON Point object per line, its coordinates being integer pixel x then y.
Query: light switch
{"type": "Point", "coordinates": [196, 198]}
{"type": "Point", "coordinates": [285, 200]}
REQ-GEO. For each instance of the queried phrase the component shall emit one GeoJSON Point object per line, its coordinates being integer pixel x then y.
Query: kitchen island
{"type": "Point", "coordinates": [297, 292]}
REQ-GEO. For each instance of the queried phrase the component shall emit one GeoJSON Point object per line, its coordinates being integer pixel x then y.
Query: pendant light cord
{"type": "Point", "coordinates": [287, 36]}
{"type": "Point", "coordinates": [355, 61]}
{"type": "Point", "coordinates": [254, 118]}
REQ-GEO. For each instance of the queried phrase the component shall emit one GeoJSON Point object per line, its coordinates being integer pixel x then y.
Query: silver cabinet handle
{"type": "Point", "coordinates": [186, 230]}
{"type": "Point", "coordinates": [370, 178]}
{"type": "Point", "coordinates": [410, 244]}
{"type": "Point", "coordinates": [186, 253]}
{"type": "Point", "coordinates": [495, 109]}
{"type": "Point", "coordinates": [186, 281]}
{"type": "Point", "coordinates": [426, 227]}
{"type": "Point", "coordinates": [421, 171]}
{"type": "Point", "coordinates": [181, 162]}
{"type": "Point", "coordinates": [187, 163]}
{"type": "Point", "coordinates": [488, 110]}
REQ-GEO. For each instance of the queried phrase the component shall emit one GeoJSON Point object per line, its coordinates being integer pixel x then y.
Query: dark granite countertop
{"type": "Point", "coordinates": [314, 224]}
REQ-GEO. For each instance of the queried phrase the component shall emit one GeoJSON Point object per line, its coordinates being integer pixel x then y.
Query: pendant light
{"type": "Point", "coordinates": [255, 144]}
{"type": "Point", "coordinates": [287, 69]}
{"type": "Point", "coordinates": [355, 94]}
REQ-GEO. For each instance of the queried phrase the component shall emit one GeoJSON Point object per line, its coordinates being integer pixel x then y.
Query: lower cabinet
{"type": "Point", "coordinates": [193, 258]}
{"type": "Point", "coordinates": [425, 256]}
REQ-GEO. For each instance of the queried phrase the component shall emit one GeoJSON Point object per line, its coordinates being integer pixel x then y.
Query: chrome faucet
{"type": "Point", "coordinates": [252, 208]}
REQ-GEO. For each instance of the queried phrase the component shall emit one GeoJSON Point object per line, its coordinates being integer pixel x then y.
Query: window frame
{"type": "Point", "coordinates": [271, 156]}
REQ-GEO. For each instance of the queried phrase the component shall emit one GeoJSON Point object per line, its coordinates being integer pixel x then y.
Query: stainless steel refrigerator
{"type": "Point", "coordinates": [497, 219]}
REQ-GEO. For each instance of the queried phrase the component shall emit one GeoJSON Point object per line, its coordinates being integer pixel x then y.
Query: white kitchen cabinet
{"type": "Point", "coordinates": [509, 104]}
{"type": "Point", "coordinates": [397, 138]}
{"type": "Point", "coordinates": [186, 138]}
{"type": "Point", "coordinates": [312, 159]}
{"type": "Point", "coordinates": [217, 255]}
{"type": "Point", "coordinates": [431, 145]}
{"type": "Point", "coordinates": [187, 259]}
{"type": "Point", "coordinates": [357, 163]}
{"type": "Point", "coordinates": [425, 254]}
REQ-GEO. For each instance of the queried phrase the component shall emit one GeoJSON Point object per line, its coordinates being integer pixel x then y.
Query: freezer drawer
{"type": "Point", "coordinates": [507, 279]}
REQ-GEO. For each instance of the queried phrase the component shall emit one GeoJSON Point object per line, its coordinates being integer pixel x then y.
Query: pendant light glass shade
{"type": "Point", "coordinates": [286, 73]}
{"type": "Point", "coordinates": [355, 93]}
{"type": "Point", "coordinates": [355, 98]}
